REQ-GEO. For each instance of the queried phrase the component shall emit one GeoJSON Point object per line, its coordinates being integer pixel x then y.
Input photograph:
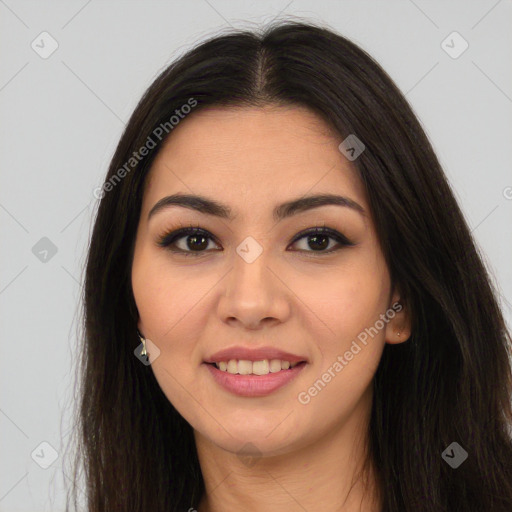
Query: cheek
{"type": "Point", "coordinates": [347, 307]}
{"type": "Point", "coordinates": [167, 296]}
{"type": "Point", "coordinates": [345, 302]}
{"type": "Point", "coordinates": [171, 303]}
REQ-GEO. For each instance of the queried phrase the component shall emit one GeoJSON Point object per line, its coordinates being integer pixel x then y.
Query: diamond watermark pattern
{"type": "Point", "coordinates": [454, 455]}
{"type": "Point", "coordinates": [249, 249]}
{"type": "Point", "coordinates": [44, 455]}
{"type": "Point", "coordinates": [249, 460]}
{"type": "Point", "coordinates": [44, 250]}
{"type": "Point", "coordinates": [454, 45]}
{"type": "Point", "coordinates": [44, 45]}
{"type": "Point", "coordinates": [153, 352]}
{"type": "Point", "coordinates": [351, 147]}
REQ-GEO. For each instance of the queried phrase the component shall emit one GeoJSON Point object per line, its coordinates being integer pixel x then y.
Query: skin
{"type": "Point", "coordinates": [314, 304]}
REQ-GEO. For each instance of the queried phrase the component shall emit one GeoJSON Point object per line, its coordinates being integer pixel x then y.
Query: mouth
{"type": "Point", "coordinates": [262, 367]}
{"type": "Point", "coordinates": [256, 379]}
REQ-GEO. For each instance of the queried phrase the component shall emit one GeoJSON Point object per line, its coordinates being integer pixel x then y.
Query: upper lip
{"type": "Point", "coordinates": [253, 354]}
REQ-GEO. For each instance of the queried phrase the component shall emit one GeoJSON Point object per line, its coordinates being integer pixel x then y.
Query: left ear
{"type": "Point", "coordinates": [398, 329]}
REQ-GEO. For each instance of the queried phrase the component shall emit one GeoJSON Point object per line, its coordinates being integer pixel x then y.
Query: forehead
{"type": "Point", "coordinates": [252, 157]}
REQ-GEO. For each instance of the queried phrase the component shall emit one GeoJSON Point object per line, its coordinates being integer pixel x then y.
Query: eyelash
{"type": "Point", "coordinates": [169, 238]}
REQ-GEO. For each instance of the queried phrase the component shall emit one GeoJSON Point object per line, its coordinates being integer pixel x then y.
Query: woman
{"type": "Point", "coordinates": [284, 306]}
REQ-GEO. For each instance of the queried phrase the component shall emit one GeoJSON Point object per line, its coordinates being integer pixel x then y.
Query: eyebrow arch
{"type": "Point", "coordinates": [211, 207]}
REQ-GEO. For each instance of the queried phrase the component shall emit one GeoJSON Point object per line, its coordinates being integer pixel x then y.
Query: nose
{"type": "Point", "coordinates": [254, 295]}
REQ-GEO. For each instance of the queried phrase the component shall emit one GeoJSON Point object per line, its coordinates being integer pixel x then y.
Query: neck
{"type": "Point", "coordinates": [329, 474]}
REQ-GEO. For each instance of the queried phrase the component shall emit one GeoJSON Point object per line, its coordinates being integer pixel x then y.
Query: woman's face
{"type": "Point", "coordinates": [247, 281]}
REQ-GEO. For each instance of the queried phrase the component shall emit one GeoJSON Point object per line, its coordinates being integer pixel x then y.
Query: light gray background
{"type": "Point", "coordinates": [62, 118]}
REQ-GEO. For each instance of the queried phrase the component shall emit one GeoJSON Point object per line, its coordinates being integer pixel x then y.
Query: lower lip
{"type": "Point", "coordinates": [254, 385]}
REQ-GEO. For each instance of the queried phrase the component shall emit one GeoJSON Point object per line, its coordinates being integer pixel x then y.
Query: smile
{"type": "Point", "coordinates": [253, 379]}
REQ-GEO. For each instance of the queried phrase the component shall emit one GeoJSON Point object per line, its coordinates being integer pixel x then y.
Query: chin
{"type": "Point", "coordinates": [265, 440]}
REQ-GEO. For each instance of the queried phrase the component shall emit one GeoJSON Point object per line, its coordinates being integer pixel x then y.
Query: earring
{"type": "Point", "coordinates": [143, 352]}
{"type": "Point", "coordinates": [398, 334]}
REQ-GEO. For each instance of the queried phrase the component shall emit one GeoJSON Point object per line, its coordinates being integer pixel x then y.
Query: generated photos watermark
{"type": "Point", "coordinates": [304, 397]}
{"type": "Point", "coordinates": [160, 132]}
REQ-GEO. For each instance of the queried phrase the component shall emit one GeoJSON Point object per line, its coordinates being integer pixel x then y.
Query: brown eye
{"type": "Point", "coordinates": [318, 239]}
{"type": "Point", "coordinates": [195, 241]}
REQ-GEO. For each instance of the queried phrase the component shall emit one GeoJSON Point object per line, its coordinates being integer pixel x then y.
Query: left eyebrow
{"type": "Point", "coordinates": [211, 207]}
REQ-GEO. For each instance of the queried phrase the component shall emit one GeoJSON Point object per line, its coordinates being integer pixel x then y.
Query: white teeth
{"type": "Point", "coordinates": [245, 367]}
{"type": "Point", "coordinates": [275, 365]}
{"type": "Point", "coordinates": [260, 367]}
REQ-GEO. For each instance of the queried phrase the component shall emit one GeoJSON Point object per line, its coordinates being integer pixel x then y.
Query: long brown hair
{"type": "Point", "coordinates": [450, 382]}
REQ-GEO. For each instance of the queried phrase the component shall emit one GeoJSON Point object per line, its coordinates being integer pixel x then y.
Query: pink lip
{"type": "Point", "coordinates": [254, 385]}
{"type": "Point", "coordinates": [253, 354]}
